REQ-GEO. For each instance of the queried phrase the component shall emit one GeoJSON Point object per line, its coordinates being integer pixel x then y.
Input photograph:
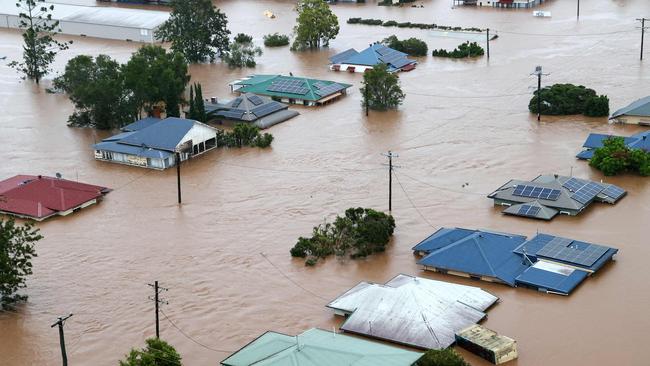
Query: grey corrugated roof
{"type": "Point", "coordinates": [412, 311]}
{"type": "Point", "coordinates": [246, 108]}
{"type": "Point", "coordinates": [505, 192]}
{"type": "Point", "coordinates": [545, 213]}
{"type": "Point", "coordinates": [639, 108]}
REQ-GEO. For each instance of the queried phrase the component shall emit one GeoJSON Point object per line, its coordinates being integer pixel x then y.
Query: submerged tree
{"type": "Point", "coordinates": [17, 244]}
{"type": "Point", "coordinates": [196, 29]}
{"type": "Point", "coordinates": [242, 52]}
{"type": "Point", "coordinates": [197, 105]}
{"type": "Point", "coordinates": [443, 357]}
{"type": "Point", "coordinates": [615, 157]}
{"type": "Point", "coordinates": [316, 25]}
{"type": "Point", "coordinates": [156, 353]}
{"type": "Point", "coordinates": [381, 89]}
{"type": "Point", "coordinates": [40, 47]}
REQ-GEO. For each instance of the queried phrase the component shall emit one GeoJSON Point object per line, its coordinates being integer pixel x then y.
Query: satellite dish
{"type": "Point", "coordinates": [58, 175]}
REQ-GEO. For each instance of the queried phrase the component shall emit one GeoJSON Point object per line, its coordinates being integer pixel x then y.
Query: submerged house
{"type": "Point", "coordinates": [317, 347]}
{"type": "Point", "coordinates": [40, 197]}
{"type": "Point", "coordinates": [637, 113]}
{"type": "Point", "coordinates": [549, 195]}
{"type": "Point", "coordinates": [501, 3]}
{"type": "Point", "coordinates": [153, 142]}
{"type": "Point", "coordinates": [412, 311]}
{"type": "Point", "coordinates": [291, 89]}
{"type": "Point", "coordinates": [260, 111]}
{"type": "Point", "coordinates": [354, 61]}
{"type": "Point", "coordinates": [595, 140]}
{"type": "Point", "coordinates": [546, 263]}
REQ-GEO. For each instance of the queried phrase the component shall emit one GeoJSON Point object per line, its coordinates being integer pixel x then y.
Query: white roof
{"type": "Point", "coordinates": [413, 311]}
{"type": "Point", "coordinates": [105, 15]}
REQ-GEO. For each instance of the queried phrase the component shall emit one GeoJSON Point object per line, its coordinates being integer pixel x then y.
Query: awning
{"type": "Point", "coordinates": [328, 98]}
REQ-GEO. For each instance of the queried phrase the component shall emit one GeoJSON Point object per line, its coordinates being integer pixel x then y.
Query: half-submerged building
{"type": "Point", "coordinates": [153, 142]}
{"type": "Point", "coordinates": [594, 141]}
{"type": "Point", "coordinates": [354, 61]}
{"type": "Point", "coordinates": [637, 113]}
{"type": "Point", "coordinates": [549, 195]}
{"type": "Point", "coordinates": [546, 263]}
{"type": "Point", "coordinates": [487, 343]}
{"type": "Point", "coordinates": [412, 311]}
{"type": "Point", "coordinates": [40, 197]}
{"type": "Point", "coordinates": [291, 89]}
{"type": "Point", "coordinates": [262, 112]}
{"type": "Point", "coordinates": [317, 347]}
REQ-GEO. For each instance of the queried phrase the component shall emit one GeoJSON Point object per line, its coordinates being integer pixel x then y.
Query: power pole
{"type": "Point", "coordinates": [538, 72]}
{"type": "Point", "coordinates": [578, 13]}
{"type": "Point", "coordinates": [366, 97]}
{"type": "Point", "coordinates": [157, 301]}
{"type": "Point", "coordinates": [488, 43]}
{"type": "Point", "coordinates": [642, 20]}
{"type": "Point", "coordinates": [390, 155]}
{"type": "Point", "coordinates": [178, 175]}
{"type": "Point", "coordinates": [60, 322]}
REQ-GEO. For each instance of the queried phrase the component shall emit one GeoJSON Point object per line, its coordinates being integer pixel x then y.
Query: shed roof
{"type": "Point", "coordinates": [412, 311]}
{"type": "Point", "coordinates": [375, 54]}
{"type": "Point", "coordinates": [292, 87]}
{"type": "Point", "coordinates": [639, 108]}
{"type": "Point", "coordinates": [249, 107]}
{"type": "Point", "coordinates": [39, 197]}
{"type": "Point", "coordinates": [317, 347]}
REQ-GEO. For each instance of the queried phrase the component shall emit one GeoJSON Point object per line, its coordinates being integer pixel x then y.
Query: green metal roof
{"type": "Point", "coordinates": [259, 84]}
{"type": "Point", "coordinates": [317, 347]}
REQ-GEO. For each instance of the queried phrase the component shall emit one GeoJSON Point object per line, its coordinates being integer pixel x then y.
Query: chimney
{"type": "Point", "coordinates": [40, 209]}
{"type": "Point", "coordinates": [62, 201]}
{"type": "Point", "coordinates": [213, 100]}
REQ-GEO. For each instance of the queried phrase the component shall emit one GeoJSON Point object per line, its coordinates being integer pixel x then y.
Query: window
{"type": "Point", "coordinates": [144, 32]}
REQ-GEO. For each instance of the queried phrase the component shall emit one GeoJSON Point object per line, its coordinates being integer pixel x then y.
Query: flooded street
{"type": "Point", "coordinates": [224, 254]}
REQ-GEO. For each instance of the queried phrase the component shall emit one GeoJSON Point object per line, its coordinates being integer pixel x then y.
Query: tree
{"type": "Point", "coordinates": [615, 157]}
{"type": "Point", "coordinates": [156, 76]}
{"type": "Point", "coordinates": [243, 134]}
{"type": "Point", "coordinates": [567, 99]}
{"type": "Point", "coordinates": [444, 357]}
{"type": "Point", "coordinates": [97, 89]}
{"type": "Point", "coordinates": [156, 353]}
{"type": "Point", "coordinates": [316, 25]}
{"type": "Point", "coordinates": [242, 52]}
{"type": "Point", "coordinates": [197, 105]}
{"type": "Point", "coordinates": [381, 89]}
{"type": "Point", "coordinates": [597, 106]}
{"type": "Point", "coordinates": [17, 244]}
{"type": "Point", "coordinates": [463, 50]}
{"type": "Point", "coordinates": [411, 46]}
{"type": "Point", "coordinates": [196, 29]}
{"type": "Point", "coordinates": [40, 47]}
{"type": "Point", "coordinates": [276, 40]}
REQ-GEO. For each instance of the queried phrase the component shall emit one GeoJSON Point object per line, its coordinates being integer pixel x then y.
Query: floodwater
{"type": "Point", "coordinates": [463, 130]}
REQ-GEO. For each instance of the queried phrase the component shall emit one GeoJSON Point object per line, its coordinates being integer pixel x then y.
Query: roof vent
{"type": "Point", "coordinates": [213, 100]}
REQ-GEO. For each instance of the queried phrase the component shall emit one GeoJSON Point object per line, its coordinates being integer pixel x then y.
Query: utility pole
{"type": "Point", "coordinates": [60, 322]}
{"type": "Point", "coordinates": [488, 43]}
{"type": "Point", "coordinates": [157, 301]}
{"type": "Point", "coordinates": [578, 13]}
{"type": "Point", "coordinates": [366, 96]}
{"type": "Point", "coordinates": [642, 20]}
{"type": "Point", "coordinates": [178, 175]}
{"type": "Point", "coordinates": [390, 155]}
{"type": "Point", "coordinates": [538, 72]}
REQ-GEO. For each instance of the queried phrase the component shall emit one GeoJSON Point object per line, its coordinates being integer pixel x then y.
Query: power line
{"type": "Point", "coordinates": [411, 201]}
{"type": "Point", "coordinates": [467, 96]}
{"type": "Point", "coordinates": [191, 338]}
{"type": "Point", "coordinates": [299, 171]}
{"type": "Point", "coordinates": [565, 35]}
{"type": "Point", "coordinates": [442, 188]}
{"type": "Point", "coordinates": [291, 280]}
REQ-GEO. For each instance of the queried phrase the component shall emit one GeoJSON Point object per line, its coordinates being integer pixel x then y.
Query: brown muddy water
{"type": "Point", "coordinates": [462, 122]}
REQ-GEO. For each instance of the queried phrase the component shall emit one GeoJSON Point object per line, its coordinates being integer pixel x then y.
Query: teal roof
{"type": "Point", "coordinates": [314, 89]}
{"type": "Point", "coordinates": [639, 108]}
{"type": "Point", "coordinates": [317, 347]}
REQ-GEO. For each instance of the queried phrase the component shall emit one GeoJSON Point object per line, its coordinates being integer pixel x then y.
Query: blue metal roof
{"type": "Point", "coordinates": [551, 281]}
{"type": "Point", "coordinates": [113, 146]}
{"type": "Point", "coordinates": [640, 108]}
{"type": "Point", "coordinates": [585, 154]}
{"type": "Point", "coordinates": [595, 141]}
{"type": "Point", "coordinates": [375, 54]}
{"type": "Point", "coordinates": [140, 124]}
{"type": "Point", "coordinates": [166, 134]}
{"type": "Point", "coordinates": [442, 238]}
{"type": "Point", "coordinates": [481, 253]}
{"type": "Point", "coordinates": [338, 58]}
{"type": "Point", "coordinates": [119, 136]}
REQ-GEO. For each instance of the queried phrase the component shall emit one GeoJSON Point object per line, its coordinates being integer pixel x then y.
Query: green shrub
{"type": "Point", "coordinates": [393, 23]}
{"type": "Point", "coordinates": [615, 157]}
{"type": "Point", "coordinates": [444, 357]}
{"type": "Point", "coordinates": [463, 50]}
{"type": "Point", "coordinates": [411, 46]}
{"type": "Point", "coordinates": [276, 40]}
{"type": "Point", "coordinates": [597, 106]}
{"type": "Point", "coordinates": [244, 134]}
{"type": "Point", "coordinates": [568, 99]}
{"type": "Point", "coordinates": [243, 38]}
{"type": "Point", "coordinates": [389, 23]}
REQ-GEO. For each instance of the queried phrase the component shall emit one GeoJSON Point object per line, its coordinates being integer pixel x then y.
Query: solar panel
{"type": "Point", "coordinates": [528, 210]}
{"type": "Point", "coordinates": [561, 249]}
{"type": "Point", "coordinates": [330, 89]}
{"type": "Point", "coordinates": [288, 86]}
{"type": "Point", "coordinates": [524, 190]}
{"type": "Point", "coordinates": [574, 184]}
{"type": "Point", "coordinates": [613, 192]}
{"type": "Point", "coordinates": [266, 109]}
{"type": "Point", "coordinates": [587, 193]}
{"type": "Point", "coordinates": [320, 84]}
{"type": "Point", "coordinates": [401, 62]}
{"type": "Point", "coordinates": [236, 102]}
{"type": "Point", "coordinates": [255, 99]}
{"type": "Point", "coordinates": [383, 50]}
{"type": "Point", "coordinates": [232, 114]}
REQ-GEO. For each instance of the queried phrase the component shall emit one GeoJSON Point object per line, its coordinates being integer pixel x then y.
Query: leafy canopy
{"type": "Point", "coordinates": [242, 52]}
{"type": "Point", "coordinates": [444, 357]}
{"type": "Point", "coordinates": [567, 99]}
{"type": "Point", "coordinates": [197, 104]}
{"type": "Point", "coordinates": [463, 50]}
{"type": "Point", "coordinates": [359, 233]}
{"type": "Point", "coordinates": [156, 353]}
{"type": "Point", "coordinates": [196, 29]}
{"type": "Point", "coordinates": [40, 47]}
{"type": "Point", "coordinates": [411, 46]}
{"type": "Point", "coordinates": [316, 25]}
{"type": "Point", "coordinates": [381, 89]}
{"type": "Point", "coordinates": [615, 157]}
{"type": "Point", "coordinates": [276, 40]}
{"type": "Point", "coordinates": [243, 134]}
{"type": "Point", "coordinates": [17, 244]}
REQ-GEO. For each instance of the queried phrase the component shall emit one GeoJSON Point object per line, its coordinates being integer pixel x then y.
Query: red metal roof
{"type": "Point", "coordinates": [39, 197]}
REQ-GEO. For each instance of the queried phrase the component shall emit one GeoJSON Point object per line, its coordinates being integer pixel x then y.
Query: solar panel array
{"type": "Point", "coordinates": [528, 210]}
{"type": "Point", "coordinates": [330, 89]}
{"type": "Point", "coordinates": [266, 109]}
{"type": "Point", "coordinates": [574, 184]}
{"type": "Point", "coordinates": [233, 113]}
{"type": "Point", "coordinates": [236, 102]}
{"type": "Point", "coordinates": [320, 84]}
{"type": "Point", "coordinates": [291, 86]}
{"type": "Point", "coordinates": [524, 190]}
{"type": "Point", "coordinates": [587, 192]}
{"type": "Point", "coordinates": [561, 249]}
{"type": "Point", "coordinates": [613, 192]}
{"type": "Point", "coordinates": [255, 99]}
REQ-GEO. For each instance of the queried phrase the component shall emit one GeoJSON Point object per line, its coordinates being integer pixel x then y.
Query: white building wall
{"type": "Point", "coordinates": [357, 68]}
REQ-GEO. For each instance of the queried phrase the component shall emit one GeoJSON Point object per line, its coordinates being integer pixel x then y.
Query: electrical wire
{"type": "Point", "coordinates": [468, 96]}
{"type": "Point", "coordinates": [443, 188]}
{"type": "Point", "coordinates": [190, 338]}
{"type": "Point", "coordinates": [413, 204]}
{"type": "Point", "coordinates": [291, 280]}
{"type": "Point", "coordinates": [566, 35]}
{"type": "Point", "coordinates": [298, 171]}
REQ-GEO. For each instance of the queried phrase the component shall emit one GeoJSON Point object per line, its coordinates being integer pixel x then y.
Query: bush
{"type": "Point", "coordinates": [567, 99]}
{"type": "Point", "coordinates": [359, 233]}
{"type": "Point", "coordinates": [392, 23]}
{"type": "Point", "coordinates": [242, 55]}
{"type": "Point", "coordinates": [615, 157]}
{"type": "Point", "coordinates": [381, 89]}
{"type": "Point", "coordinates": [389, 23]}
{"type": "Point", "coordinates": [445, 357]}
{"type": "Point", "coordinates": [411, 46]}
{"type": "Point", "coordinates": [243, 38]}
{"type": "Point", "coordinates": [244, 134]}
{"type": "Point", "coordinates": [463, 50]}
{"type": "Point", "coordinates": [276, 40]}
